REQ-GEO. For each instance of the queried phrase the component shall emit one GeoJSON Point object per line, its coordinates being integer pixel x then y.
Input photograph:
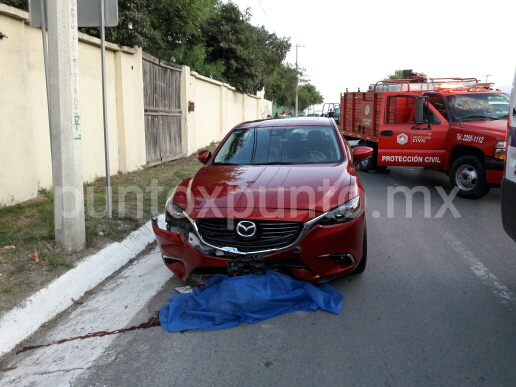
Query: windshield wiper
{"type": "Point", "coordinates": [476, 117]}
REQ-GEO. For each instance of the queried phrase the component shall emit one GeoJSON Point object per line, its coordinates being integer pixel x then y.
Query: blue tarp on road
{"type": "Point", "coordinates": [225, 302]}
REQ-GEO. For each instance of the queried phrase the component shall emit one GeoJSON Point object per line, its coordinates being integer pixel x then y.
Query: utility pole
{"type": "Point", "coordinates": [297, 79]}
{"type": "Point", "coordinates": [487, 76]}
{"type": "Point", "coordinates": [65, 125]}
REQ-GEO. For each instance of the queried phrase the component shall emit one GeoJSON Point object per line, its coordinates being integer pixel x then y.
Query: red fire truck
{"type": "Point", "coordinates": [455, 125]}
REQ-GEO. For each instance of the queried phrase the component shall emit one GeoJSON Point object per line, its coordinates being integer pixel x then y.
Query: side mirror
{"type": "Point", "coordinates": [361, 153]}
{"type": "Point", "coordinates": [419, 110]}
{"type": "Point", "coordinates": [204, 156]}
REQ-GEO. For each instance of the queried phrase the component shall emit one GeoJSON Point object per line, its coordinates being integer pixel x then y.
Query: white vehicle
{"type": "Point", "coordinates": [509, 180]}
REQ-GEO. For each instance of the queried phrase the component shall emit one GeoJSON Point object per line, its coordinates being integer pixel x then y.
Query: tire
{"type": "Point", "coordinates": [363, 262]}
{"type": "Point", "coordinates": [468, 174]}
{"type": "Point", "coordinates": [370, 163]}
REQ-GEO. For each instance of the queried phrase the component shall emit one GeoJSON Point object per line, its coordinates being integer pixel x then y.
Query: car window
{"type": "Point", "coordinates": [438, 102]}
{"type": "Point", "coordinates": [292, 145]}
{"type": "Point", "coordinates": [402, 110]}
{"type": "Point", "coordinates": [237, 149]}
{"type": "Point", "coordinates": [482, 106]}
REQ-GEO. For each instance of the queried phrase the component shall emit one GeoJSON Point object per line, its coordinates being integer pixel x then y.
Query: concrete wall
{"type": "Point", "coordinates": [24, 132]}
{"type": "Point", "coordinates": [218, 108]}
{"type": "Point", "coordinates": [25, 160]}
{"type": "Point", "coordinates": [18, 179]}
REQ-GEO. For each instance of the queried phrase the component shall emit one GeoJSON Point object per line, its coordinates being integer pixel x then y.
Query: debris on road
{"type": "Point", "coordinates": [184, 289]}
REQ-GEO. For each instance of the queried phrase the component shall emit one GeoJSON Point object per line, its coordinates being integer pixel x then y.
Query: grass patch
{"type": "Point", "coordinates": [29, 226]}
{"type": "Point", "coordinates": [55, 260]}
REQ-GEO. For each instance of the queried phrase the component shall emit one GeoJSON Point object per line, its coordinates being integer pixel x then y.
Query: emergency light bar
{"type": "Point", "coordinates": [469, 84]}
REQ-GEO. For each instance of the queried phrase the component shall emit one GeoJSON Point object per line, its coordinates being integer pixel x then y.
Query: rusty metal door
{"type": "Point", "coordinates": [162, 102]}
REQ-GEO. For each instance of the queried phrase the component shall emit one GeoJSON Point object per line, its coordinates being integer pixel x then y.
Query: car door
{"type": "Point", "coordinates": [402, 142]}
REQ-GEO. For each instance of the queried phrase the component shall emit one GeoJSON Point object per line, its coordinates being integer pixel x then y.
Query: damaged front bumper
{"type": "Point", "coordinates": [319, 252]}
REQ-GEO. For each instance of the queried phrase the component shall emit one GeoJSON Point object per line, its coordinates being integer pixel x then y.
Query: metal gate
{"type": "Point", "coordinates": [162, 103]}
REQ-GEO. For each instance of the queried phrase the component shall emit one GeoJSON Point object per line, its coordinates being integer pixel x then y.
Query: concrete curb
{"type": "Point", "coordinates": [43, 306]}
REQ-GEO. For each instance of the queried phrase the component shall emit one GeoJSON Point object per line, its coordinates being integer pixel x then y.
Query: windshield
{"type": "Point", "coordinates": [475, 107]}
{"type": "Point", "coordinates": [292, 145]}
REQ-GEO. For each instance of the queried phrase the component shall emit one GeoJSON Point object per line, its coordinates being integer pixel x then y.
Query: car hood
{"type": "Point", "coordinates": [493, 127]}
{"type": "Point", "coordinates": [316, 187]}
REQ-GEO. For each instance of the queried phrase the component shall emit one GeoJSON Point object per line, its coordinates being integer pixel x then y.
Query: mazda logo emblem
{"type": "Point", "coordinates": [246, 229]}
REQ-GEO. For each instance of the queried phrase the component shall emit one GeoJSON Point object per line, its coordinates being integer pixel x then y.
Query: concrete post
{"type": "Point", "coordinates": [120, 116]}
{"type": "Point", "coordinates": [185, 94]}
{"type": "Point", "coordinates": [65, 121]}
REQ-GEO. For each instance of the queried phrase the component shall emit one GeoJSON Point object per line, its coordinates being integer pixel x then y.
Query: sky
{"type": "Point", "coordinates": [351, 44]}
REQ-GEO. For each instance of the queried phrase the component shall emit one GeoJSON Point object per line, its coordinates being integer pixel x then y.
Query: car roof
{"type": "Point", "coordinates": [283, 122]}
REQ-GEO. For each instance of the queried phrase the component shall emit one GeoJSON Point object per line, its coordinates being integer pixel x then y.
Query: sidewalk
{"type": "Point", "coordinates": [24, 320]}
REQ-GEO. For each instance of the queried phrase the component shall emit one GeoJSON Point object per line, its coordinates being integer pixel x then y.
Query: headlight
{"type": "Point", "coordinates": [343, 213]}
{"type": "Point", "coordinates": [173, 209]}
{"type": "Point", "coordinates": [499, 152]}
{"type": "Point", "coordinates": [176, 219]}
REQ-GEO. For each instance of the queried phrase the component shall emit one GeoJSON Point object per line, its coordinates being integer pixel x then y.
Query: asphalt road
{"type": "Point", "coordinates": [436, 306]}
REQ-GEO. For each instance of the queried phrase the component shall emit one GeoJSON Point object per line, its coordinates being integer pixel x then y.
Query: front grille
{"type": "Point", "coordinates": [269, 234]}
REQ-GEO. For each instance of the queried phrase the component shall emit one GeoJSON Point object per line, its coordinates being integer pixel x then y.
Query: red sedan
{"type": "Point", "coordinates": [276, 194]}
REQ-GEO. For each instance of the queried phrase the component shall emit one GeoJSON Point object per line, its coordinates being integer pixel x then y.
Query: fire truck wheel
{"type": "Point", "coordinates": [468, 174]}
{"type": "Point", "coordinates": [363, 262]}
{"type": "Point", "coordinates": [370, 163]}
{"type": "Point", "coordinates": [365, 165]}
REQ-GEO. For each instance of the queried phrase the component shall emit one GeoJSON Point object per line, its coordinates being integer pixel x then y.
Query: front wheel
{"type": "Point", "coordinates": [468, 174]}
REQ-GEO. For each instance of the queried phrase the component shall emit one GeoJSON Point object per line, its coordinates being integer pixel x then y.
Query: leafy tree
{"type": "Point", "coordinates": [250, 54]}
{"type": "Point", "coordinates": [407, 74]}
{"type": "Point", "coordinates": [178, 24]}
{"type": "Point", "coordinates": [308, 95]}
{"type": "Point", "coordinates": [20, 4]}
{"type": "Point", "coordinates": [141, 34]}
{"type": "Point", "coordinates": [398, 74]}
{"type": "Point", "coordinates": [283, 87]}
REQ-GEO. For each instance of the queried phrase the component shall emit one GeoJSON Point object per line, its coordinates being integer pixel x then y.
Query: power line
{"type": "Point", "coordinates": [262, 7]}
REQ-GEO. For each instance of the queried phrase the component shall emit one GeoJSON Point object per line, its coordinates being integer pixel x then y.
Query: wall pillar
{"type": "Point", "coordinates": [130, 109]}
{"type": "Point", "coordinates": [186, 95]}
